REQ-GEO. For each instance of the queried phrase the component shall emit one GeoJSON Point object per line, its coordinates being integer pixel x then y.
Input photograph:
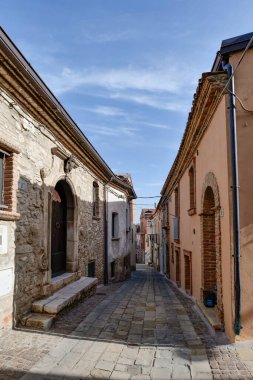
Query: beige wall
{"type": "Point", "coordinates": [211, 157]}
{"type": "Point", "coordinates": [244, 90]}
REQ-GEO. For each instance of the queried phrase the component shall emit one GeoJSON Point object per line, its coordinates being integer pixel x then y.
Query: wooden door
{"type": "Point", "coordinates": [58, 231]}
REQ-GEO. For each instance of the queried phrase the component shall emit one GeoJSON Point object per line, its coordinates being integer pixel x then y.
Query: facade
{"type": "Point", "coordinates": [206, 237]}
{"type": "Point", "coordinates": [145, 231]}
{"type": "Point", "coordinates": [139, 256]}
{"type": "Point", "coordinates": [53, 186]}
{"type": "Point", "coordinates": [121, 253]}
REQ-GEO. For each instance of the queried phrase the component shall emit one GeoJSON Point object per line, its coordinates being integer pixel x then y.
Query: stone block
{"type": "Point", "coordinates": [41, 321]}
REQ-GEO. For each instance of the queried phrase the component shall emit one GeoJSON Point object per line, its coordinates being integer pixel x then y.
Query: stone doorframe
{"type": "Point", "coordinates": [210, 181]}
{"type": "Point", "coordinates": [72, 215]}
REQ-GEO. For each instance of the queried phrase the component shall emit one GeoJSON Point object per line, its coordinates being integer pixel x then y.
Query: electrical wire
{"type": "Point", "coordinates": [240, 101]}
{"type": "Point", "coordinates": [231, 76]}
{"type": "Point", "coordinates": [155, 196]}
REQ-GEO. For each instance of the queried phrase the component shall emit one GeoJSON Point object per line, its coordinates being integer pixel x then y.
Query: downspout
{"type": "Point", "coordinates": [105, 237]}
{"type": "Point", "coordinates": [235, 192]}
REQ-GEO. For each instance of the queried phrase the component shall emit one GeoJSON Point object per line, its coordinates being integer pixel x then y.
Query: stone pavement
{"type": "Point", "coordinates": [144, 329]}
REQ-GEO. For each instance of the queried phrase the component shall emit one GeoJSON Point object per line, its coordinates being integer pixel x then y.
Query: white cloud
{"type": "Point", "coordinates": [152, 101]}
{"type": "Point", "coordinates": [105, 111]}
{"type": "Point", "coordinates": [154, 125]}
{"type": "Point", "coordinates": [109, 131]}
{"type": "Point", "coordinates": [164, 79]}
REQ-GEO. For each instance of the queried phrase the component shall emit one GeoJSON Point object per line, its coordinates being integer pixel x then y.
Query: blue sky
{"type": "Point", "coordinates": [126, 70]}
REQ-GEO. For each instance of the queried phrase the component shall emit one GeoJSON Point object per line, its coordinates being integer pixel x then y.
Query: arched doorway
{"type": "Point", "coordinates": [61, 227]}
{"type": "Point", "coordinates": [211, 241]}
{"type": "Point", "coordinates": [209, 248]}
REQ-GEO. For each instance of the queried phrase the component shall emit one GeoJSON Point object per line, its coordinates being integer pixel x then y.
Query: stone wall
{"type": "Point", "coordinates": [39, 166]}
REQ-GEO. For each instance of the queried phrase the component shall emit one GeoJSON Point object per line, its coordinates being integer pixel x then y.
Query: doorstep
{"type": "Point", "coordinates": [44, 311]}
{"type": "Point", "coordinates": [210, 315]}
{"type": "Point", "coordinates": [62, 280]}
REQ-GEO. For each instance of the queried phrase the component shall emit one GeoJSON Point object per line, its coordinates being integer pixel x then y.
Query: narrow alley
{"type": "Point", "coordinates": [144, 328]}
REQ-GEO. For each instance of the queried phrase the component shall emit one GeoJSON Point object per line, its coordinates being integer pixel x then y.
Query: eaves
{"type": "Point", "coordinates": [205, 102]}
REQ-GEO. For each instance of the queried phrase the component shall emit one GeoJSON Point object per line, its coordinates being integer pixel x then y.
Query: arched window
{"type": "Point", "coordinates": [95, 210]}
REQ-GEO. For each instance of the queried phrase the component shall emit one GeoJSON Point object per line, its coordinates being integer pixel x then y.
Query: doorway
{"type": "Point", "coordinates": [62, 227]}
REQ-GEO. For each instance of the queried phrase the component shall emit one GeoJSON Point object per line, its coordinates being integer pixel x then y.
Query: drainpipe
{"type": "Point", "coordinates": [105, 238]}
{"type": "Point", "coordinates": [235, 192]}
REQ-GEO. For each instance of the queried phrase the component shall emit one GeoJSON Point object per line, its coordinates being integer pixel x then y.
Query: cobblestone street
{"type": "Point", "coordinates": [144, 328]}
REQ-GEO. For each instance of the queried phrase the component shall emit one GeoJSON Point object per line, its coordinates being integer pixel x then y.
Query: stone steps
{"type": "Point", "coordinates": [44, 311]}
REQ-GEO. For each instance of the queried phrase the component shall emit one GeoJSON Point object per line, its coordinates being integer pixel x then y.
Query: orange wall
{"type": "Point", "coordinates": [244, 89]}
{"type": "Point", "coordinates": [211, 157]}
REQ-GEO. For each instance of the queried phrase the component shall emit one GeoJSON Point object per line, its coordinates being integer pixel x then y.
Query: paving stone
{"type": "Point", "coordinates": [164, 353]}
{"type": "Point", "coordinates": [126, 361]}
{"type": "Point", "coordinates": [117, 375]}
{"type": "Point", "coordinates": [130, 352]}
{"type": "Point", "coordinates": [181, 372]}
{"type": "Point", "coordinates": [100, 374]}
{"type": "Point", "coordinates": [176, 340]}
{"type": "Point", "coordinates": [162, 362]}
{"type": "Point", "coordinates": [145, 357]}
{"type": "Point", "coordinates": [121, 367]}
{"type": "Point", "coordinates": [91, 355]}
{"type": "Point", "coordinates": [161, 373]}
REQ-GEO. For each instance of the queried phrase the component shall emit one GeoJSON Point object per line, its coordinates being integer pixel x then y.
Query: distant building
{"type": "Point", "coordinates": [139, 256]}
{"type": "Point", "coordinates": [145, 231]}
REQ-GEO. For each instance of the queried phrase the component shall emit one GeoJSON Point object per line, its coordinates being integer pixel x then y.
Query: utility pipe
{"type": "Point", "coordinates": [235, 191]}
{"type": "Point", "coordinates": [105, 236]}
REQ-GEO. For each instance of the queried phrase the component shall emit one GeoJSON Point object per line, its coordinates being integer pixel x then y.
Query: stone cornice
{"type": "Point", "coordinates": [205, 102]}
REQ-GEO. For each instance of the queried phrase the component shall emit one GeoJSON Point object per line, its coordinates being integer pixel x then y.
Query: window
{"type": "Point", "coordinates": [91, 269]}
{"type": "Point", "coordinates": [112, 269]}
{"type": "Point", "coordinates": [8, 182]}
{"type": "Point", "coordinates": [192, 190]}
{"type": "Point", "coordinates": [95, 211]}
{"type": "Point", "coordinates": [115, 225]}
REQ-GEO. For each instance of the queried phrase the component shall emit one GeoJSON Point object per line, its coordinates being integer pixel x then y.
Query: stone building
{"type": "Point", "coordinates": [53, 186]}
{"type": "Point", "coordinates": [207, 204]}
